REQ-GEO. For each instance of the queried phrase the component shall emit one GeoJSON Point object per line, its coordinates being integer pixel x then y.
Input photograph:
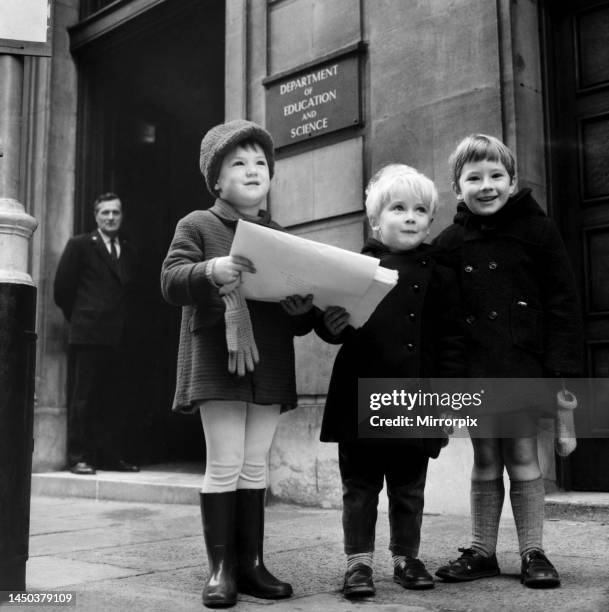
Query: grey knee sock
{"type": "Point", "coordinates": [486, 501]}
{"type": "Point", "coordinates": [527, 497]}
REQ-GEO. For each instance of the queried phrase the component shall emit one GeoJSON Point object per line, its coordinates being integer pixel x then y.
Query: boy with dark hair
{"type": "Point", "coordinates": [522, 321]}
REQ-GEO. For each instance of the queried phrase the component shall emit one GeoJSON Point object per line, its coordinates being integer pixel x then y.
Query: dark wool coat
{"type": "Point", "coordinates": [95, 293]}
{"type": "Point", "coordinates": [414, 332]}
{"type": "Point", "coordinates": [202, 371]}
{"type": "Point", "coordinates": [521, 306]}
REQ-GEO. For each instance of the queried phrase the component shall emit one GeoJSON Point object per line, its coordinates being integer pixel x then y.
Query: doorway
{"type": "Point", "coordinates": [576, 47]}
{"type": "Point", "coordinates": [148, 91]}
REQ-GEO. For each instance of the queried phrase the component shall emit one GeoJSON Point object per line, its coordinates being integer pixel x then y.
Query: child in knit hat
{"type": "Point", "coordinates": [239, 404]}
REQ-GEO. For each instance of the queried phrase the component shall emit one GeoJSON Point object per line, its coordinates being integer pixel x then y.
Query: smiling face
{"type": "Point", "coordinates": [404, 222]}
{"type": "Point", "coordinates": [485, 186]}
{"type": "Point", "coordinates": [108, 216]}
{"type": "Point", "coordinates": [244, 178]}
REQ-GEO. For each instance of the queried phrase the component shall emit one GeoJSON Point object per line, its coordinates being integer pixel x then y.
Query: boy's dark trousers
{"type": "Point", "coordinates": [363, 467]}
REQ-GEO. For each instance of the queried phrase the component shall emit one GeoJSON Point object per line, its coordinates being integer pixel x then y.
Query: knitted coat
{"type": "Point", "coordinates": [202, 369]}
{"type": "Point", "coordinates": [522, 310]}
{"type": "Point", "coordinates": [414, 332]}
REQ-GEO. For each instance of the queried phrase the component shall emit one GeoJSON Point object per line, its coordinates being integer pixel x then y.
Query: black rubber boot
{"type": "Point", "coordinates": [252, 577]}
{"type": "Point", "coordinates": [218, 514]}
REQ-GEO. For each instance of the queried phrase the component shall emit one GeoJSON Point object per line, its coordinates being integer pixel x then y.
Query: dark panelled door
{"type": "Point", "coordinates": [577, 51]}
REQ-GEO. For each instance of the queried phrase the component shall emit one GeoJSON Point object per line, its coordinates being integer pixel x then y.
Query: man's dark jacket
{"type": "Point", "coordinates": [93, 291]}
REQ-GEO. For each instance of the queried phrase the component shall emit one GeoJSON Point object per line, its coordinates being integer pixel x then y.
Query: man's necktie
{"type": "Point", "coordinates": [113, 250]}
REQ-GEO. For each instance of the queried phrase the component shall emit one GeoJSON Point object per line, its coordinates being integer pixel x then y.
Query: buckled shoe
{"type": "Point", "coordinates": [471, 565]}
{"type": "Point", "coordinates": [537, 572]}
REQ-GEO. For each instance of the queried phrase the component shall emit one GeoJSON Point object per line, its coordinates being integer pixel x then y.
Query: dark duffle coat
{"type": "Point", "coordinates": [522, 314]}
{"type": "Point", "coordinates": [414, 332]}
{"type": "Point", "coordinates": [202, 371]}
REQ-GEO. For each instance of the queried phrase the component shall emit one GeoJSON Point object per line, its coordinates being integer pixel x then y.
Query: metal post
{"type": "Point", "coordinates": [17, 337]}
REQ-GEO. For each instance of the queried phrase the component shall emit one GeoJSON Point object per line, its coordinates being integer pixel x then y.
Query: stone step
{"type": "Point", "coordinates": [180, 483]}
{"type": "Point", "coordinates": [577, 505]}
{"type": "Point", "coordinates": [177, 483]}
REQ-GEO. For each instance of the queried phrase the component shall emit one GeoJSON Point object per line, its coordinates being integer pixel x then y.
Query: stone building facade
{"type": "Point", "coordinates": [133, 84]}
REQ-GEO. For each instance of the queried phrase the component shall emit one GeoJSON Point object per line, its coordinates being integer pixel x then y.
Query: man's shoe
{"type": "Point", "coordinates": [537, 572]}
{"type": "Point", "coordinates": [82, 468]}
{"type": "Point", "coordinates": [471, 565]}
{"type": "Point", "coordinates": [413, 575]}
{"type": "Point", "coordinates": [358, 582]}
{"type": "Point", "coordinates": [121, 466]}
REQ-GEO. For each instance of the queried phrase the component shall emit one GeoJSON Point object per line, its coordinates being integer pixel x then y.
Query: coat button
{"type": "Point", "coordinates": [469, 269]}
{"type": "Point", "coordinates": [470, 319]}
{"type": "Point", "coordinates": [416, 288]}
{"type": "Point", "coordinates": [411, 316]}
{"type": "Point", "coordinates": [410, 346]}
{"type": "Point", "coordinates": [492, 265]}
{"type": "Point", "coordinates": [493, 314]}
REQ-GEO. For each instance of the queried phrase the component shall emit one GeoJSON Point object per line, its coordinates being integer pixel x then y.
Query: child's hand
{"type": "Point", "coordinates": [227, 270]}
{"type": "Point", "coordinates": [296, 305]}
{"type": "Point", "coordinates": [336, 318]}
{"type": "Point", "coordinates": [229, 287]}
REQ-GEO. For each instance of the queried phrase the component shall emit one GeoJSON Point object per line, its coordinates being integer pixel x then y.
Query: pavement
{"type": "Point", "coordinates": [143, 555]}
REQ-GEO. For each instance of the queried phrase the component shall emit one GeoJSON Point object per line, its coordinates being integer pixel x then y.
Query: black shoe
{"type": "Point", "coordinates": [124, 466]}
{"type": "Point", "coordinates": [471, 565]}
{"type": "Point", "coordinates": [413, 575]}
{"type": "Point", "coordinates": [253, 578]}
{"type": "Point", "coordinates": [120, 465]}
{"type": "Point", "coordinates": [82, 468]}
{"type": "Point", "coordinates": [358, 582]}
{"type": "Point", "coordinates": [537, 572]}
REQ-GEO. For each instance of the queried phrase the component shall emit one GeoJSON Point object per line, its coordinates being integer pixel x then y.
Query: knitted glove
{"type": "Point", "coordinates": [565, 441]}
{"type": "Point", "coordinates": [240, 342]}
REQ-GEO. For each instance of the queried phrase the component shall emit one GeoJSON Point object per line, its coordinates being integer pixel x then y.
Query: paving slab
{"type": "Point", "coordinates": [51, 572]}
{"type": "Point", "coordinates": [139, 556]}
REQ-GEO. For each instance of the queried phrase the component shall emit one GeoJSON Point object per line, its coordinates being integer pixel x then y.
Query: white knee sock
{"type": "Point", "coordinates": [260, 425]}
{"type": "Point", "coordinates": [224, 429]}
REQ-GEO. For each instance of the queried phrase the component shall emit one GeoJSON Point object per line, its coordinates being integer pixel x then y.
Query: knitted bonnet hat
{"type": "Point", "coordinates": [221, 138]}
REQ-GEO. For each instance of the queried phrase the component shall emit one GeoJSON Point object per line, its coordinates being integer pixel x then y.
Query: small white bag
{"type": "Point", "coordinates": [565, 441]}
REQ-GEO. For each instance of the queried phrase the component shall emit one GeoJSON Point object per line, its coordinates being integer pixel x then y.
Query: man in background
{"type": "Point", "coordinates": [94, 287]}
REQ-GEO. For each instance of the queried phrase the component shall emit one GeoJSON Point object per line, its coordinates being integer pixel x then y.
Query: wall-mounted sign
{"type": "Point", "coordinates": [25, 27]}
{"type": "Point", "coordinates": [310, 102]}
